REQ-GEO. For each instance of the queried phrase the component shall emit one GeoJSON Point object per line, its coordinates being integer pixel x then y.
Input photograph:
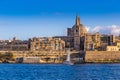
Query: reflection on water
{"type": "Point", "coordinates": [59, 72]}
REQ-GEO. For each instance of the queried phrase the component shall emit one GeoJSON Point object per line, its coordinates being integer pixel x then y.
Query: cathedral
{"type": "Point", "coordinates": [78, 38]}
{"type": "Point", "coordinates": [76, 35]}
{"type": "Point", "coordinates": [78, 32]}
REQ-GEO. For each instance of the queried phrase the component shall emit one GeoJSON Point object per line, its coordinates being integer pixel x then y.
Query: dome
{"type": "Point", "coordinates": [79, 29]}
{"type": "Point", "coordinates": [83, 28]}
{"type": "Point", "coordinates": [79, 26]}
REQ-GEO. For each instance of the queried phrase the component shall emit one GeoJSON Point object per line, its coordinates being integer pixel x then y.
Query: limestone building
{"type": "Point", "coordinates": [78, 32]}
{"type": "Point", "coordinates": [14, 45]}
{"type": "Point", "coordinates": [117, 43]}
{"type": "Point", "coordinates": [92, 41]}
{"type": "Point", "coordinates": [79, 39]}
{"type": "Point", "coordinates": [46, 44]}
{"type": "Point", "coordinates": [112, 48]}
{"type": "Point", "coordinates": [75, 38]}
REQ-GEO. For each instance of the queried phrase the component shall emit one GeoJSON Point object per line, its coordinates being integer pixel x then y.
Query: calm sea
{"type": "Point", "coordinates": [59, 72]}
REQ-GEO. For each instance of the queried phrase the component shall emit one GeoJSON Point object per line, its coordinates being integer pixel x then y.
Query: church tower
{"type": "Point", "coordinates": [79, 34]}
{"type": "Point", "coordinates": [77, 20]}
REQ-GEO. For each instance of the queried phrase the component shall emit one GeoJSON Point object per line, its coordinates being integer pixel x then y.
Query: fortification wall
{"type": "Point", "coordinates": [102, 56]}
{"type": "Point", "coordinates": [34, 53]}
{"type": "Point", "coordinates": [90, 56]}
{"type": "Point", "coordinates": [44, 56]}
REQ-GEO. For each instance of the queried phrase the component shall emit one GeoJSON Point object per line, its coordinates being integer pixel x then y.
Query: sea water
{"type": "Point", "coordinates": [59, 72]}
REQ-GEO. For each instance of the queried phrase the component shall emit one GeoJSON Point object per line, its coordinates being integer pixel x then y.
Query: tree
{"type": "Point", "coordinates": [8, 56]}
{"type": "Point", "coordinates": [1, 56]}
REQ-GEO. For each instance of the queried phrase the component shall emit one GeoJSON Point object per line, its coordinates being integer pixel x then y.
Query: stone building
{"type": "Point", "coordinates": [92, 41]}
{"type": "Point", "coordinates": [112, 48]}
{"type": "Point", "coordinates": [75, 38]}
{"type": "Point", "coordinates": [79, 39]}
{"type": "Point", "coordinates": [78, 31]}
{"type": "Point", "coordinates": [14, 45]}
{"type": "Point", "coordinates": [106, 40]}
{"type": "Point", "coordinates": [117, 43]}
{"type": "Point", "coordinates": [109, 39]}
{"type": "Point", "coordinates": [69, 41]}
{"type": "Point", "coordinates": [47, 44]}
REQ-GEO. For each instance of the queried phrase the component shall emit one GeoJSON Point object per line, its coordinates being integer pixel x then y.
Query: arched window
{"type": "Point", "coordinates": [76, 30]}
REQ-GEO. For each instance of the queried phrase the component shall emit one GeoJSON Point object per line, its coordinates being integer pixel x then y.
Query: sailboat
{"type": "Point", "coordinates": [68, 61]}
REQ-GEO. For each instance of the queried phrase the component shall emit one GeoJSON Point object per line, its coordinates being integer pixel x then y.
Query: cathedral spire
{"type": "Point", "coordinates": [77, 20]}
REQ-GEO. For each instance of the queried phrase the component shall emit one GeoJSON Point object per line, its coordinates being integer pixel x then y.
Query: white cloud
{"type": "Point", "coordinates": [88, 28]}
{"type": "Point", "coordinates": [96, 29]}
{"type": "Point", "coordinates": [113, 29]}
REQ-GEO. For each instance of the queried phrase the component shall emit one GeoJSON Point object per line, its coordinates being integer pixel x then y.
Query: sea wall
{"type": "Point", "coordinates": [102, 56]}
{"type": "Point", "coordinates": [60, 57]}
{"type": "Point", "coordinates": [37, 56]}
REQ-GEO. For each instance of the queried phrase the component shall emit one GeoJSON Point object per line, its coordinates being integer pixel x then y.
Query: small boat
{"type": "Point", "coordinates": [68, 61]}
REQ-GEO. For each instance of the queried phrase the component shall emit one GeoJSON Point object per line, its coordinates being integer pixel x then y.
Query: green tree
{"type": "Point", "coordinates": [8, 56]}
{"type": "Point", "coordinates": [1, 56]}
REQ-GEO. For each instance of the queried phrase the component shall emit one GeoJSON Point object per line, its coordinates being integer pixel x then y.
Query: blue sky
{"type": "Point", "coordinates": [28, 18]}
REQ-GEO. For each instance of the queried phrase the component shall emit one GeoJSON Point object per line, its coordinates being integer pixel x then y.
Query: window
{"type": "Point", "coordinates": [76, 30]}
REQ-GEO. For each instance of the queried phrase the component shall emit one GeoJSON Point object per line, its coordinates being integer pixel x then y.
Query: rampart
{"type": "Point", "coordinates": [60, 56]}
{"type": "Point", "coordinates": [102, 56]}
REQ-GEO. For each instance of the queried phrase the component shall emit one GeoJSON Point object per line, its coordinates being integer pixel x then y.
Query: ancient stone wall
{"type": "Point", "coordinates": [102, 56]}
{"type": "Point", "coordinates": [45, 56]}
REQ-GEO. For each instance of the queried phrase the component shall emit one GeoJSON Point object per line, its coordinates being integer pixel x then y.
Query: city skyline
{"type": "Point", "coordinates": [26, 19]}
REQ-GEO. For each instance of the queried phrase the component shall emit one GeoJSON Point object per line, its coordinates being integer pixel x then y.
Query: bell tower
{"type": "Point", "coordinates": [79, 34]}
{"type": "Point", "coordinates": [77, 20]}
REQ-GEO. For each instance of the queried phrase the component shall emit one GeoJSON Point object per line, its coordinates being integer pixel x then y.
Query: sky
{"type": "Point", "coordinates": [45, 18]}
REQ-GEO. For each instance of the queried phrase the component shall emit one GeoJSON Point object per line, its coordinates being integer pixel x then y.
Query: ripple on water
{"type": "Point", "coordinates": [59, 72]}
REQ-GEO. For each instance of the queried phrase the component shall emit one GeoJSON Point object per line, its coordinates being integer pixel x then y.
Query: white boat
{"type": "Point", "coordinates": [68, 61]}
